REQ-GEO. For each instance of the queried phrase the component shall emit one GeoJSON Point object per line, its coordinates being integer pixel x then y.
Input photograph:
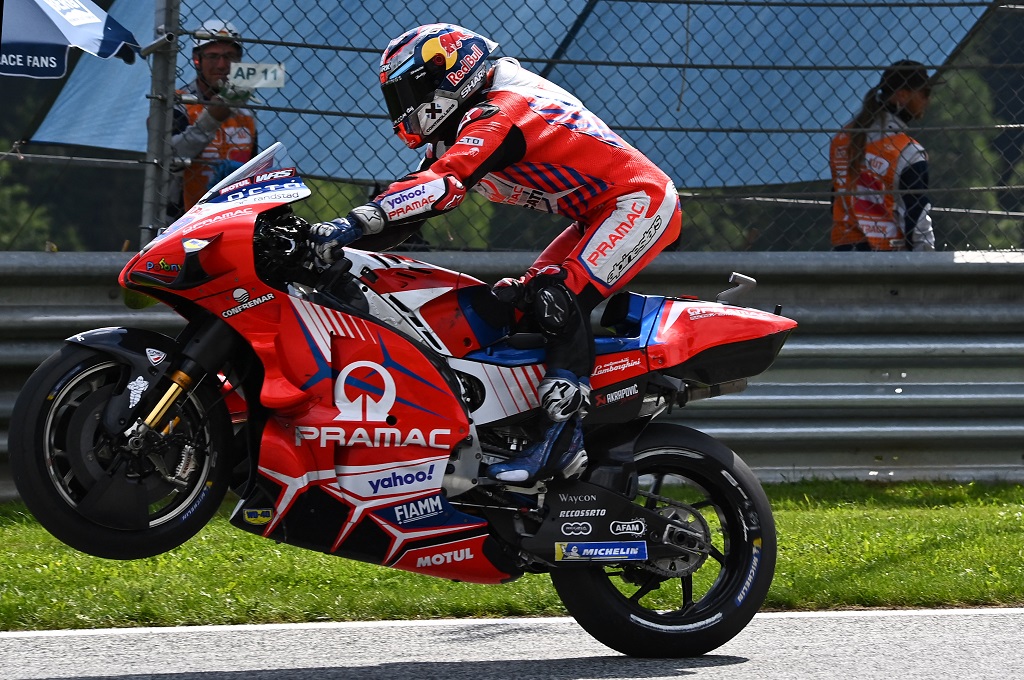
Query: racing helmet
{"type": "Point", "coordinates": [427, 75]}
{"type": "Point", "coordinates": [214, 31]}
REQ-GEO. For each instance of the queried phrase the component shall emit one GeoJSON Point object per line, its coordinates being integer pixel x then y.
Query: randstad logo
{"type": "Point", "coordinates": [361, 407]}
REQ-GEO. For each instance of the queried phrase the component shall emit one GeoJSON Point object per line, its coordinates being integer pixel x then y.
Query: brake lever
{"type": "Point", "coordinates": [334, 275]}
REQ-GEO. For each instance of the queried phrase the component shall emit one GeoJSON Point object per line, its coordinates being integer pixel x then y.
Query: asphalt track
{"type": "Point", "coordinates": [894, 645]}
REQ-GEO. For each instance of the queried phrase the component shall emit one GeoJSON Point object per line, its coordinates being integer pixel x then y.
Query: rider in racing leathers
{"type": "Point", "coordinates": [519, 139]}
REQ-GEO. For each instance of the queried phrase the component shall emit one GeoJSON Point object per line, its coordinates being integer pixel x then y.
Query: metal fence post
{"type": "Point", "coordinates": [161, 115]}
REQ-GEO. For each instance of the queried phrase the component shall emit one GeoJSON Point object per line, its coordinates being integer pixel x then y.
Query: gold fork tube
{"type": "Point", "coordinates": [179, 383]}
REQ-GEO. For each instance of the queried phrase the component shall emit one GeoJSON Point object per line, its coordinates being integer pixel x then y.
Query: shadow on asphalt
{"type": "Point", "coordinates": [549, 669]}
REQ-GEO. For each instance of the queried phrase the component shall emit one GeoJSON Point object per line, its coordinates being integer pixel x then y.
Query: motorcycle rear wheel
{"type": "Point", "coordinates": [638, 608]}
{"type": "Point", "coordinates": [87, 488]}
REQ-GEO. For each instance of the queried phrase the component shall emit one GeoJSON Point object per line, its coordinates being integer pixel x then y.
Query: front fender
{"type": "Point", "coordinates": [147, 355]}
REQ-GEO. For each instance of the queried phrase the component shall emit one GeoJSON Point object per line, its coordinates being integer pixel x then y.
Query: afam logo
{"type": "Point", "coordinates": [636, 527]}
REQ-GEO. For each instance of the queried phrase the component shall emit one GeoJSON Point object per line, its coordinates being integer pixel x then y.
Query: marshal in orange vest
{"type": "Point", "coordinates": [865, 206]}
{"type": "Point", "coordinates": [235, 140]}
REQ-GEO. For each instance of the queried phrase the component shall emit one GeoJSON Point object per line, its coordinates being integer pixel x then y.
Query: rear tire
{"type": "Point", "coordinates": [679, 607]}
{"type": "Point", "coordinates": [87, 488]}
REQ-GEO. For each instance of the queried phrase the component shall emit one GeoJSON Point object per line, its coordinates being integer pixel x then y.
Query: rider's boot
{"type": "Point", "coordinates": [564, 440]}
{"type": "Point", "coordinates": [564, 398]}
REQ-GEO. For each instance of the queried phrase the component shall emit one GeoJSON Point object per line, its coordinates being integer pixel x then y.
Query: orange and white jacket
{"type": "Point", "coordinates": [884, 205]}
{"type": "Point", "coordinates": [197, 135]}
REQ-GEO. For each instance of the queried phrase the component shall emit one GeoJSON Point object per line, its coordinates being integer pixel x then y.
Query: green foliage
{"type": "Point", "coordinates": [913, 545]}
{"type": "Point", "coordinates": [22, 225]}
{"type": "Point", "coordinates": [329, 200]}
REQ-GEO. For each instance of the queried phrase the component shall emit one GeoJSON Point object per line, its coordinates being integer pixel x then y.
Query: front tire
{"type": "Point", "coordinates": [683, 607]}
{"type": "Point", "coordinates": [87, 487]}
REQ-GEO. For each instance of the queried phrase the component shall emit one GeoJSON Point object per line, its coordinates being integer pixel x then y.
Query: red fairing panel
{"type": "Point", "coordinates": [462, 560]}
{"type": "Point", "coordinates": [613, 368]}
{"type": "Point", "coordinates": [426, 297]}
{"type": "Point", "coordinates": [688, 327]}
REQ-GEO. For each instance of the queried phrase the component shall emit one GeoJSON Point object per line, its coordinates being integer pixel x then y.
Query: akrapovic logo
{"type": "Point", "coordinates": [618, 395]}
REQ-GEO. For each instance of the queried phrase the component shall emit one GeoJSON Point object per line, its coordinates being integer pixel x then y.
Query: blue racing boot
{"type": "Point", "coordinates": [523, 469]}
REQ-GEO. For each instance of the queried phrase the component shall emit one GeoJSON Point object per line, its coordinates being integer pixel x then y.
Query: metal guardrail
{"type": "Point", "coordinates": [904, 365]}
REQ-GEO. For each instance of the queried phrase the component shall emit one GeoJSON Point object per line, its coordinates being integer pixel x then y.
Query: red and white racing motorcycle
{"type": "Point", "coordinates": [353, 413]}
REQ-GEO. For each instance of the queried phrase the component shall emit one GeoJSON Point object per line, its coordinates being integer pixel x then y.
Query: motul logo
{"type": "Point", "coordinates": [445, 558]}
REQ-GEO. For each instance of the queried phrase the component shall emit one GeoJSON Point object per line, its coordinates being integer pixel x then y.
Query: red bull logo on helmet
{"type": "Point", "coordinates": [451, 42]}
{"type": "Point", "coordinates": [447, 44]}
{"type": "Point", "coordinates": [470, 60]}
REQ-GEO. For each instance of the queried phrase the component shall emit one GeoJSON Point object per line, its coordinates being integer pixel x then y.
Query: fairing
{"type": "Point", "coordinates": [371, 406]}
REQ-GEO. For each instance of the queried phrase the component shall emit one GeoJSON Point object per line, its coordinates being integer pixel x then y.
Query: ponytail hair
{"type": "Point", "coordinates": [870, 110]}
{"type": "Point", "coordinates": [903, 75]}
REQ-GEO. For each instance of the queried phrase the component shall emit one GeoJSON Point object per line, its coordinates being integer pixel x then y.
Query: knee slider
{"type": "Point", "coordinates": [554, 305]}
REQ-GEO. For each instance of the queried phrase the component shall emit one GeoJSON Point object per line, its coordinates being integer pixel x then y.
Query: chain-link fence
{"type": "Point", "coordinates": [737, 101]}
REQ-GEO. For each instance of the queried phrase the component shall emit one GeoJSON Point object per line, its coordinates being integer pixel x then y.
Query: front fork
{"type": "Point", "coordinates": [141, 431]}
{"type": "Point", "coordinates": [205, 346]}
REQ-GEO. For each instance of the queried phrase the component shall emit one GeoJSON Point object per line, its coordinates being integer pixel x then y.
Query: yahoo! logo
{"type": "Point", "coordinates": [400, 479]}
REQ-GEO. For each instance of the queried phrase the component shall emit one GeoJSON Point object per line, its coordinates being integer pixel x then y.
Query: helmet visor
{"type": "Point", "coordinates": [402, 94]}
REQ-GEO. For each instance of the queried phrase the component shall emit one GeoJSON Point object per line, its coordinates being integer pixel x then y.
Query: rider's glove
{"type": "Point", "coordinates": [327, 240]}
{"type": "Point", "coordinates": [510, 291]}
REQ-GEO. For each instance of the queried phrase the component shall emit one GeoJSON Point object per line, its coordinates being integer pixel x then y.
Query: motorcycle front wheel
{"type": "Point", "coordinates": [93, 491]}
{"type": "Point", "coordinates": [687, 605]}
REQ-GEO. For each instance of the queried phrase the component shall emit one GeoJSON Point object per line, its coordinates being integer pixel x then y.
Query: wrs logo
{"type": "Point", "coordinates": [275, 174]}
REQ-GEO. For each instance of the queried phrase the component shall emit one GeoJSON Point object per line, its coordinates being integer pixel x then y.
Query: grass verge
{"type": "Point", "coordinates": [841, 545]}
